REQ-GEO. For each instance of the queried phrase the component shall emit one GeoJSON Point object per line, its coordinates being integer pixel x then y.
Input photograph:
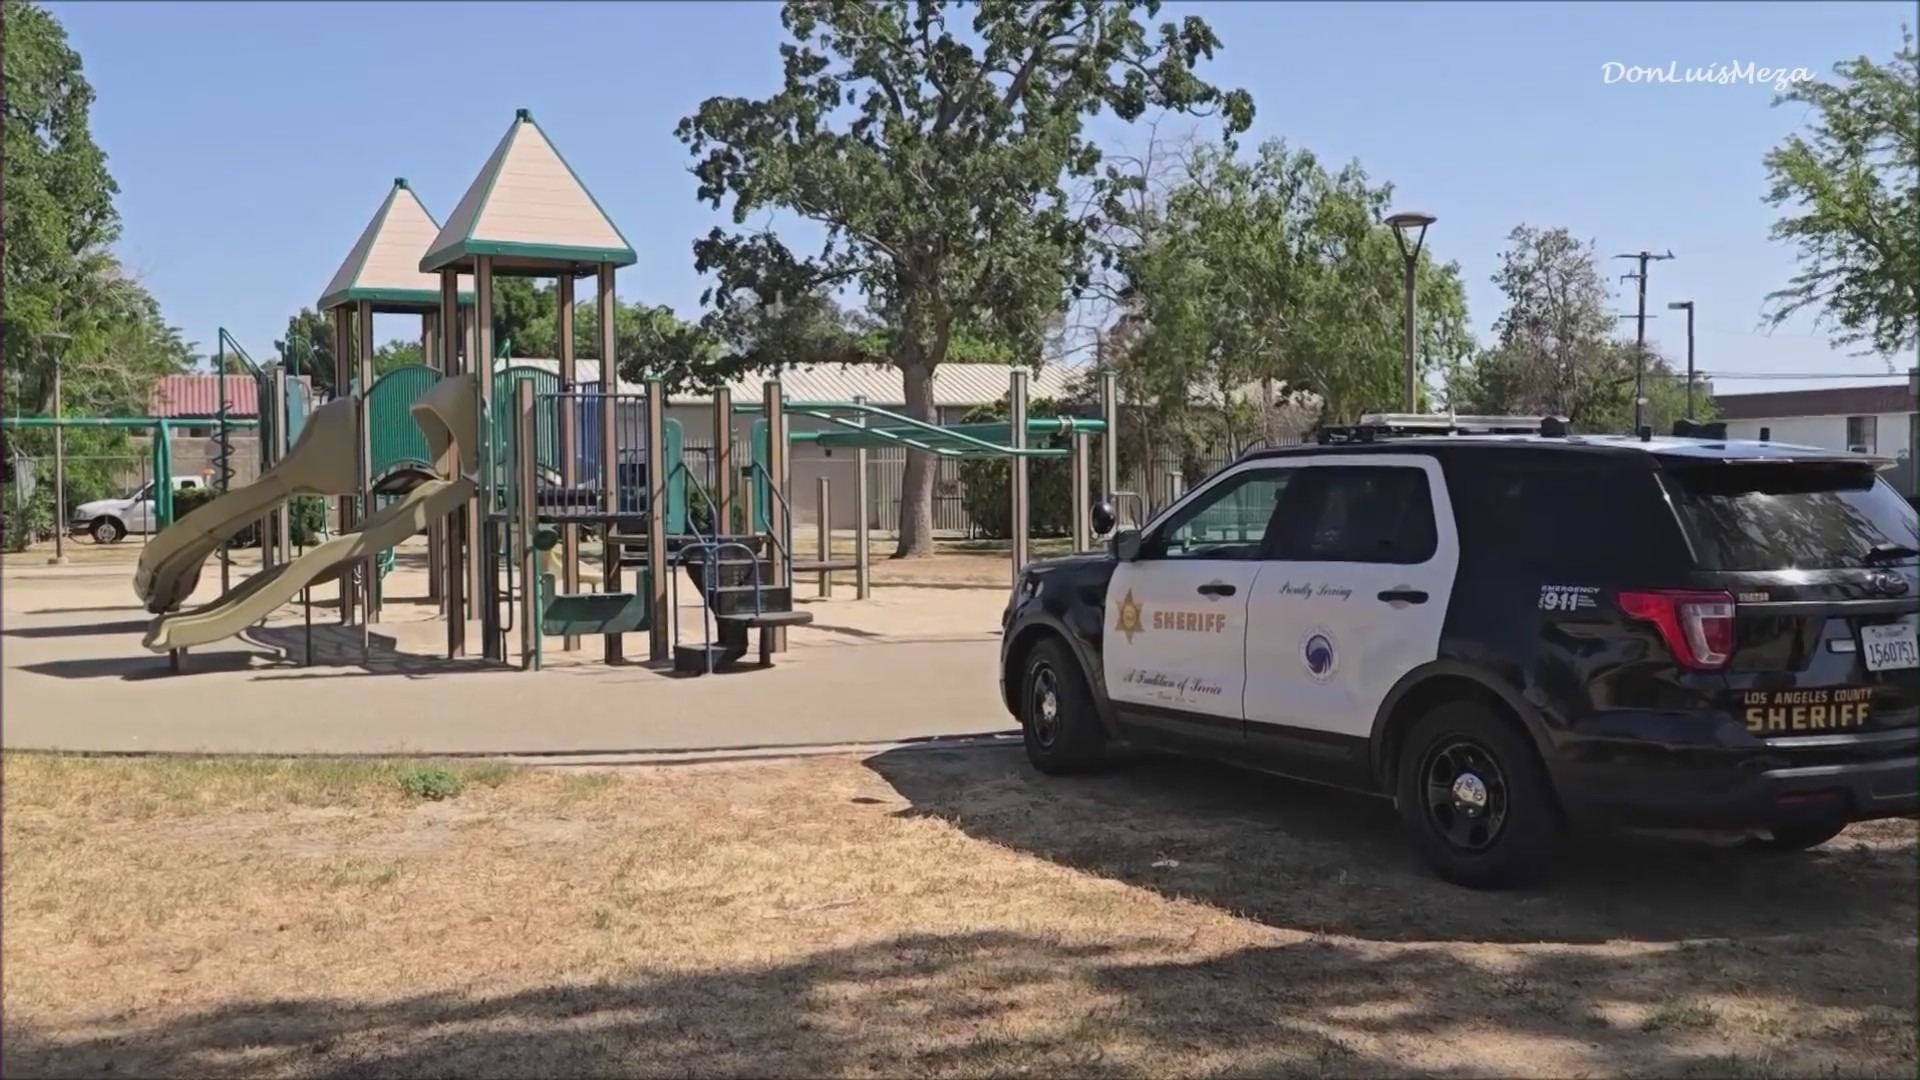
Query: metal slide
{"type": "Point", "coordinates": [260, 595]}
{"type": "Point", "coordinates": [320, 463]}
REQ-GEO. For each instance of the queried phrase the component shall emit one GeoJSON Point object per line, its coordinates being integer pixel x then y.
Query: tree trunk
{"type": "Point", "coordinates": [916, 486]}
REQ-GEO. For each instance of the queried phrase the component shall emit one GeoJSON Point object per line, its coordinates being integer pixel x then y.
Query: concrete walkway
{"type": "Point", "coordinates": [909, 664]}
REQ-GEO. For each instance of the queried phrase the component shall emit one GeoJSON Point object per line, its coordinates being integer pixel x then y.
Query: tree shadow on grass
{"type": "Point", "coordinates": [1303, 857]}
{"type": "Point", "coordinates": [1001, 1003]}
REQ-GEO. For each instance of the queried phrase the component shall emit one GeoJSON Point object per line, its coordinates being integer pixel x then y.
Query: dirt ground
{"type": "Point", "coordinates": [921, 912]}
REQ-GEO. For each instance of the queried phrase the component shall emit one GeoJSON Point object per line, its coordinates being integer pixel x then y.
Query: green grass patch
{"type": "Point", "coordinates": [149, 786]}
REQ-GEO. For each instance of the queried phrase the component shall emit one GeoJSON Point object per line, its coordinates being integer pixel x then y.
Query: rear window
{"type": "Point", "coordinates": [1790, 517]}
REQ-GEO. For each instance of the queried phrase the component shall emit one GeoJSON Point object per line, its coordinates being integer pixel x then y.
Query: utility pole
{"type": "Point", "coordinates": [1640, 336]}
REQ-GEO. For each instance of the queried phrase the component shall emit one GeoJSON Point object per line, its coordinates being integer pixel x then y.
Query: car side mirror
{"type": "Point", "coordinates": [1103, 517]}
{"type": "Point", "coordinates": [1126, 545]}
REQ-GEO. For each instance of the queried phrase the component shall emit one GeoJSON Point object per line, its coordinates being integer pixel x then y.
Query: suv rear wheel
{"type": "Point", "coordinates": [1058, 719]}
{"type": "Point", "coordinates": [1474, 799]}
{"type": "Point", "coordinates": [106, 531]}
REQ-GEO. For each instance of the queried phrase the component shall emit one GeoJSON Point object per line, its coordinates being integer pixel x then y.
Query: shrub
{"type": "Point", "coordinates": [307, 519]}
{"type": "Point", "coordinates": [987, 484]}
{"type": "Point", "coordinates": [26, 524]}
{"type": "Point", "coordinates": [700, 511]}
{"type": "Point", "coordinates": [430, 782]}
{"type": "Point", "coordinates": [187, 500]}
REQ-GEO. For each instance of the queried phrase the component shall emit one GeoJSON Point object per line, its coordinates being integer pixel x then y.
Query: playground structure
{"type": "Point", "coordinates": [514, 471]}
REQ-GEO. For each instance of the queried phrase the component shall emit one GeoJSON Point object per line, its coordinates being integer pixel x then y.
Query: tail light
{"type": "Point", "coordinates": [1697, 626]}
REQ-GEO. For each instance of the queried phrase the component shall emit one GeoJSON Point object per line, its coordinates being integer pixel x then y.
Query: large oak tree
{"type": "Point", "coordinates": [936, 158]}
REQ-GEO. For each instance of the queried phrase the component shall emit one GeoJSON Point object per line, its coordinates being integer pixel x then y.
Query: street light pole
{"type": "Point", "coordinates": [59, 459]}
{"type": "Point", "coordinates": [1687, 306]}
{"type": "Point", "coordinates": [1402, 224]}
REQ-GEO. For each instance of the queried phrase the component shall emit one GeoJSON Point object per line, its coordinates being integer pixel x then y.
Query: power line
{"type": "Point", "coordinates": [1800, 375]}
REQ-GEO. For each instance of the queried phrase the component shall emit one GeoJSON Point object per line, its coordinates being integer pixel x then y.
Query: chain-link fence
{"type": "Point", "coordinates": [108, 494]}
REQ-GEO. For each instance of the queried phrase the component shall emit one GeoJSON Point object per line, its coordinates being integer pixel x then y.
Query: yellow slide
{"type": "Point", "coordinates": [448, 416]}
{"type": "Point", "coordinates": [319, 463]}
{"type": "Point", "coordinates": [262, 594]}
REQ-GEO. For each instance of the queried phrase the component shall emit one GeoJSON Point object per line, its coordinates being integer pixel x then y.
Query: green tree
{"type": "Point", "coordinates": [69, 304]}
{"type": "Point", "coordinates": [1273, 272]}
{"type": "Point", "coordinates": [307, 349]}
{"type": "Point", "coordinates": [1556, 348]}
{"type": "Point", "coordinates": [525, 313]}
{"type": "Point", "coordinates": [936, 161]}
{"type": "Point", "coordinates": [60, 218]}
{"type": "Point", "coordinates": [1850, 187]}
{"type": "Point", "coordinates": [400, 352]}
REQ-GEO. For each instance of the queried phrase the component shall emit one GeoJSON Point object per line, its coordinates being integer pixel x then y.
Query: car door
{"type": "Point", "coordinates": [1353, 597]}
{"type": "Point", "coordinates": [138, 515]}
{"type": "Point", "coordinates": [1174, 652]}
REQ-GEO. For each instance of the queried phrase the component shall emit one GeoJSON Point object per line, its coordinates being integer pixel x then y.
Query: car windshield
{"type": "Point", "coordinates": [1793, 516]}
{"type": "Point", "coordinates": [140, 493]}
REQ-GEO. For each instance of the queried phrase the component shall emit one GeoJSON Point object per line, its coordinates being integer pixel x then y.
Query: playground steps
{"type": "Point", "coordinates": [739, 592]}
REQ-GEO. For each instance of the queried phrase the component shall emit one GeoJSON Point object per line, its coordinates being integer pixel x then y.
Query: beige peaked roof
{"type": "Point", "coordinates": [383, 268]}
{"type": "Point", "coordinates": [529, 212]}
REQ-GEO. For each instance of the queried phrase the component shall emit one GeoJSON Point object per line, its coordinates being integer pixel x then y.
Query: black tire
{"type": "Point", "coordinates": [107, 530]}
{"type": "Point", "coordinates": [1067, 738]}
{"type": "Point", "coordinates": [1801, 837]}
{"type": "Point", "coordinates": [1460, 752]}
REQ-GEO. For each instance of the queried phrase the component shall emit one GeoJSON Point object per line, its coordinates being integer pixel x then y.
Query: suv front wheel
{"type": "Point", "coordinates": [1475, 801]}
{"type": "Point", "coordinates": [1058, 721]}
{"type": "Point", "coordinates": [106, 531]}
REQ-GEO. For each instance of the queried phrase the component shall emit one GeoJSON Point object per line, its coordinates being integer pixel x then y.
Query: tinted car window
{"type": "Point", "coordinates": [1361, 513]}
{"type": "Point", "coordinates": [1790, 517]}
{"type": "Point", "coordinates": [1588, 517]}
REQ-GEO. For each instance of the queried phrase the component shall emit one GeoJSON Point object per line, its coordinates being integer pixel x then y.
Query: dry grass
{"type": "Point", "coordinates": [917, 913]}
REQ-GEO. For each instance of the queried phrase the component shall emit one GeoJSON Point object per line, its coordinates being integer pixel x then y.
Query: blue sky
{"type": "Point", "coordinates": [253, 141]}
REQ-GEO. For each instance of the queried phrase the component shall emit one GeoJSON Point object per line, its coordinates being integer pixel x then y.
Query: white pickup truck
{"type": "Point", "coordinates": [110, 520]}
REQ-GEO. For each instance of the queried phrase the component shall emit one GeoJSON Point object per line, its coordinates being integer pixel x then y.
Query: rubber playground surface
{"type": "Point", "coordinates": [911, 663]}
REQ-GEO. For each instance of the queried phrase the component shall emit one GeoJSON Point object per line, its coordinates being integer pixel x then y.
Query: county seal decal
{"type": "Point", "coordinates": [1319, 653]}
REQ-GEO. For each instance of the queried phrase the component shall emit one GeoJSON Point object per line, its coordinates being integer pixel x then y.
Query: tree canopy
{"type": "Point", "coordinates": [1556, 346]}
{"type": "Point", "coordinates": [68, 300]}
{"type": "Point", "coordinates": [1274, 271]}
{"type": "Point", "coordinates": [1850, 191]}
{"type": "Point", "coordinates": [935, 159]}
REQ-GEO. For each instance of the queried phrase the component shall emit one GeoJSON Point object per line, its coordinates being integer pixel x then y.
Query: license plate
{"type": "Point", "coordinates": [1887, 648]}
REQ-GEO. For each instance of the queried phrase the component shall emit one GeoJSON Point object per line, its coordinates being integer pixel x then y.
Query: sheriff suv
{"type": "Point", "coordinates": [1505, 629]}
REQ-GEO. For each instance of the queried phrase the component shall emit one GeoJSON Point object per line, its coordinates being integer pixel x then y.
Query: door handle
{"type": "Point", "coordinates": [1403, 596]}
{"type": "Point", "coordinates": [1216, 588]}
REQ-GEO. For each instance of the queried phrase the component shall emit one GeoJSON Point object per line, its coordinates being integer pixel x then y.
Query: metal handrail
{"type": "Point", "coordinates": [786, 517]}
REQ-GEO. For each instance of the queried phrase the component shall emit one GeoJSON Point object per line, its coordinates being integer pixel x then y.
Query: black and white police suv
{"type": "Point", "coordinates": [1506, 629]}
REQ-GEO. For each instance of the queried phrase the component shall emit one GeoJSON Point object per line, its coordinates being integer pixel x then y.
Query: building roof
{"type": "Point", "coordinates": [383, 268]}
{"type": "Point", "coordinates": [954, 385]}
{"type": "Point", "coordinates": [529, 212]}
{"type": "Point", "coordinates": [197, 396]}
{"type": "Point", "coordinates": [1828, 401]}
